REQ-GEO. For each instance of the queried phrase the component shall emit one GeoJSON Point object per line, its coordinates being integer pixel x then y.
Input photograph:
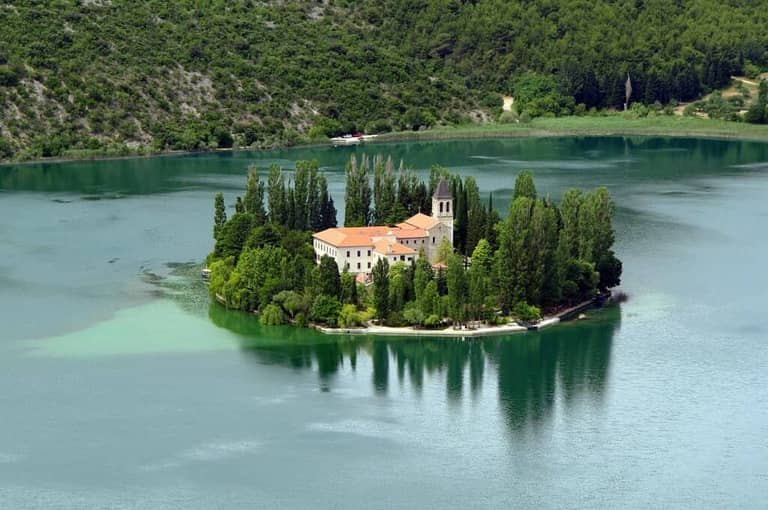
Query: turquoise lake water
{"type": "Point", "coordinates": [123, 387]}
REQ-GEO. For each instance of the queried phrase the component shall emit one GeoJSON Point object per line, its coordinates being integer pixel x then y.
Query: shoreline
{"type": "Point", "coordinates": [450, 332]}
{"type": "Point", "coordinates": [572, 126]}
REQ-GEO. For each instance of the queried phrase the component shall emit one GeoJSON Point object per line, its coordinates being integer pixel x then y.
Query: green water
{"type": "Point", "coordinates": [123, 387]}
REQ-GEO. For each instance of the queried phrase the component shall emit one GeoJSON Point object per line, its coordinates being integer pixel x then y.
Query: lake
{"type": "Point", "coordinates": [124, 387]}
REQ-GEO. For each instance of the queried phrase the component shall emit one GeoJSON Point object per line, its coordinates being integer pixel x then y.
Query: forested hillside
{"type": "Point", "coordinates": [100, 75]}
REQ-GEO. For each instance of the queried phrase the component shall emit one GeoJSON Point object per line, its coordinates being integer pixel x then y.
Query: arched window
{"type": "Point", "coordinates": [447, 207]}
{"type": "Point", "coordinates": [441, 207]}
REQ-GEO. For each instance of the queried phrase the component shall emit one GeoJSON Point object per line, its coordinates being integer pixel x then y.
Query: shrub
{"type": "Point", "coordinates": [526, 313]}
{"type": "Point", "coordinates": [349, 317]}
{"type": "Point", "coordinates": [509, 117]}
{"type": "Point", "coordinates": [325, 310]}
{"type": "Point", "coordinates": [301, 320]}
{"type": "Point", "coordinates": [396, 319]}
{"type": "Point", "coordinates": [273, 315]}
{"type": "Point", "coordinates": [6, 150]}
{"type": "Point", "coordinates": [432, 321]}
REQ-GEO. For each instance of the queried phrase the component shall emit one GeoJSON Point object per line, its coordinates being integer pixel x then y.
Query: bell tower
{"type": "Point", "coordinates": [442, 207]}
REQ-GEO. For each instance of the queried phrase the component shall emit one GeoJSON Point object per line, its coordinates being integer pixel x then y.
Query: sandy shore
{"type": "Point", "coordinates": [451, 332]}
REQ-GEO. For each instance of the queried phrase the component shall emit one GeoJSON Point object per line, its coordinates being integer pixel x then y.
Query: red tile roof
{"type": "Point", "coordinates": [387, 247]}
{"type": "Point", "coordinates": [414, 227]}
{"type": "Point", "coordinates": [422, 221]}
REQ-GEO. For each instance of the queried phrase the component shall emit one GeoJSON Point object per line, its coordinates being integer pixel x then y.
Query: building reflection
{"type": "Point", "coordinates": [533, 372]}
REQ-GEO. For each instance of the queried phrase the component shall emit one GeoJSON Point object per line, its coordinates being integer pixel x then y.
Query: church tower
{"type": "Point", "coordinates": [442, 208]}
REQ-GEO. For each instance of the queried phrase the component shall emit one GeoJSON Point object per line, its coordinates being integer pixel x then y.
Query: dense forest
{"type": "Point", "coordinates": [541, 257]}
{"type": "Point", "coordinates": [114, 76]}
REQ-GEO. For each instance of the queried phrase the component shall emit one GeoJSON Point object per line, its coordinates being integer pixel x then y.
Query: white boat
{"type": "Point", "coordinates": [346, 140]}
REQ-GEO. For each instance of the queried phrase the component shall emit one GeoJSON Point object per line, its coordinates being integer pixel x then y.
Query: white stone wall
{"type": "Point", "coordinates": [359, 258]}
{"type": "Point", "coordinates": [362, 255]}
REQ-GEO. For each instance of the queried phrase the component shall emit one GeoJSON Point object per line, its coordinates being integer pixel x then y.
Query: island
{"type": "Point", "coordinates": [413, 257]}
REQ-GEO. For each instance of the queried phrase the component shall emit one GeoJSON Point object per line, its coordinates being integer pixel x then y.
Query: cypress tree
{"type": "Point", "coordinates": [458, 289]}
{"type": "Point", "coordinates": [327, 210]}
{"type": "Point", "coordinates": [219, 215]}
{"type": "Point", "coordinates": [460, 217]}
{"type": "Point", "coordinates": [301, 195]}
{"type": "Point", "coordinates": [254, 197]}
{"type": "Point", "coordinates": [348, 288]}
{"type": "Point", "coordinates": [475, 214]}
{"type": "Point", "coordinates": [290, 206]}
{"type": "Point", "coordinates": [524, 186]}
{"type": "Point", "coordinates": [314, 214]}
{"type": "Point", "coordinates": [327, 278]}
{"type": "Point", "coordinates": [276, 195]}
{"type": "Point", "coordinates": [423, 274]}
{"type": "Point", "coordinates": [380, 276]}
{"type": "Point", "coordinates": [492, 219]}
{"type": "Point", "coordinates": [357, 211]}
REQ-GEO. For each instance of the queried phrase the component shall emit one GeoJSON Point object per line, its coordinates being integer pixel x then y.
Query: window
{"type": "Point", "coordinates": [358, 264]}
{"type": "Point", "coordinates": [402, 257]}
{"type": "Point", "coordinates": [369, 254]}
{"type": "Point", "coordinates": [358, 254]}
{"type": "Point", "coordinates": [347, 253]}
{"type": "Point", "coordinates": [447, 207]}
{"type": "Point", "coordinates": [441, 207]}
{"type": "Point", "coordinates": [433, 240]}
{"type": "Point", "coordinates": [369, 265]}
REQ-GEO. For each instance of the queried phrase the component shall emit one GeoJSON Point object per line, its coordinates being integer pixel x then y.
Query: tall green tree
{"type": "Point", "coordinates": [276, 195]}
{"type": "Point", "coordinates": [380, 275]}
{"type": "Point", "coordinates": [479, 287]}
{"type": "Point", "coordinates": [233, 235]}
{"type": "Point", "coordinates": [476, 216]}
{"type": "Point", "coordinates": [357, 211]}
{"type": "Point", "coordinates": [524, 186]}
{"type": "Point", "coordinates": [482, 257]}
{"type": "Point", "coordinates": [423, 274]}
{"type": "Point", "coordinates": [458, 288]}
{"type": "Point", "coordinates": [219, 215]}
{"type": "Point", "coordinates": [327, 210]}
{"type": "Point", "coordinates": [460, 217]}
{"type": "Point", "coordinates": [301, 193]}
{"type": "Point", "coordinates": [514, 259]}
{"type": "Point", "coordinates": [384, 192]}
{"type": "Point", "coordinates": [327, 278]}
{"type": "Point", "coordinates": [400, 283]}
{"type": "Point", "coordinates": [254, 197]}
{"type": "Point", "coordinates": [543, 283]}
{"type": "Point", "coordinates": [349, 288]}
{"type": "Point", "coordinates": [596, 230]}
{"type": "Point", "coordinates": [571, 233]}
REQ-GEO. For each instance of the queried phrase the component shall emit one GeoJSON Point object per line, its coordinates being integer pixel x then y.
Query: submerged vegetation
{"type": "Point", "coordinates": [541, 257]}
{"type": "Point", "coordinates": [117, 77]}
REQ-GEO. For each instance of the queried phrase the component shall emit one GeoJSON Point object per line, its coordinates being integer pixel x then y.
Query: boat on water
{"type": "Point", "coordinates": [352, 139]}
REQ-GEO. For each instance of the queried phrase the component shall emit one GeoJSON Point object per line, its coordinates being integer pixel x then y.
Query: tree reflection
{"type": "Point", "coordinates": [533, 371]}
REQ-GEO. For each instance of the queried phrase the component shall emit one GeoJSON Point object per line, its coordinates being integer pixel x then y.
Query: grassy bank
{"type": "Point", "coordinates": [617, 124]}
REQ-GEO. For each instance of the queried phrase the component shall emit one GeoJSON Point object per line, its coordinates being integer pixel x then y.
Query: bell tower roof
{"type": "Point", "coordinates": [442, 191]}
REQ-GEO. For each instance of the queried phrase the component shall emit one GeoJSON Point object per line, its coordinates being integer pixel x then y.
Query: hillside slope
{"type": "Point", "coordinates": [100, 75]}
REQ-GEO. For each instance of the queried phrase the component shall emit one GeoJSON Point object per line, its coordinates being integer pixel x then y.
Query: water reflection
{"type": "Point", "coordinates": [532, 371]}
{"type": "Point", "coordinates": [489, 160]}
